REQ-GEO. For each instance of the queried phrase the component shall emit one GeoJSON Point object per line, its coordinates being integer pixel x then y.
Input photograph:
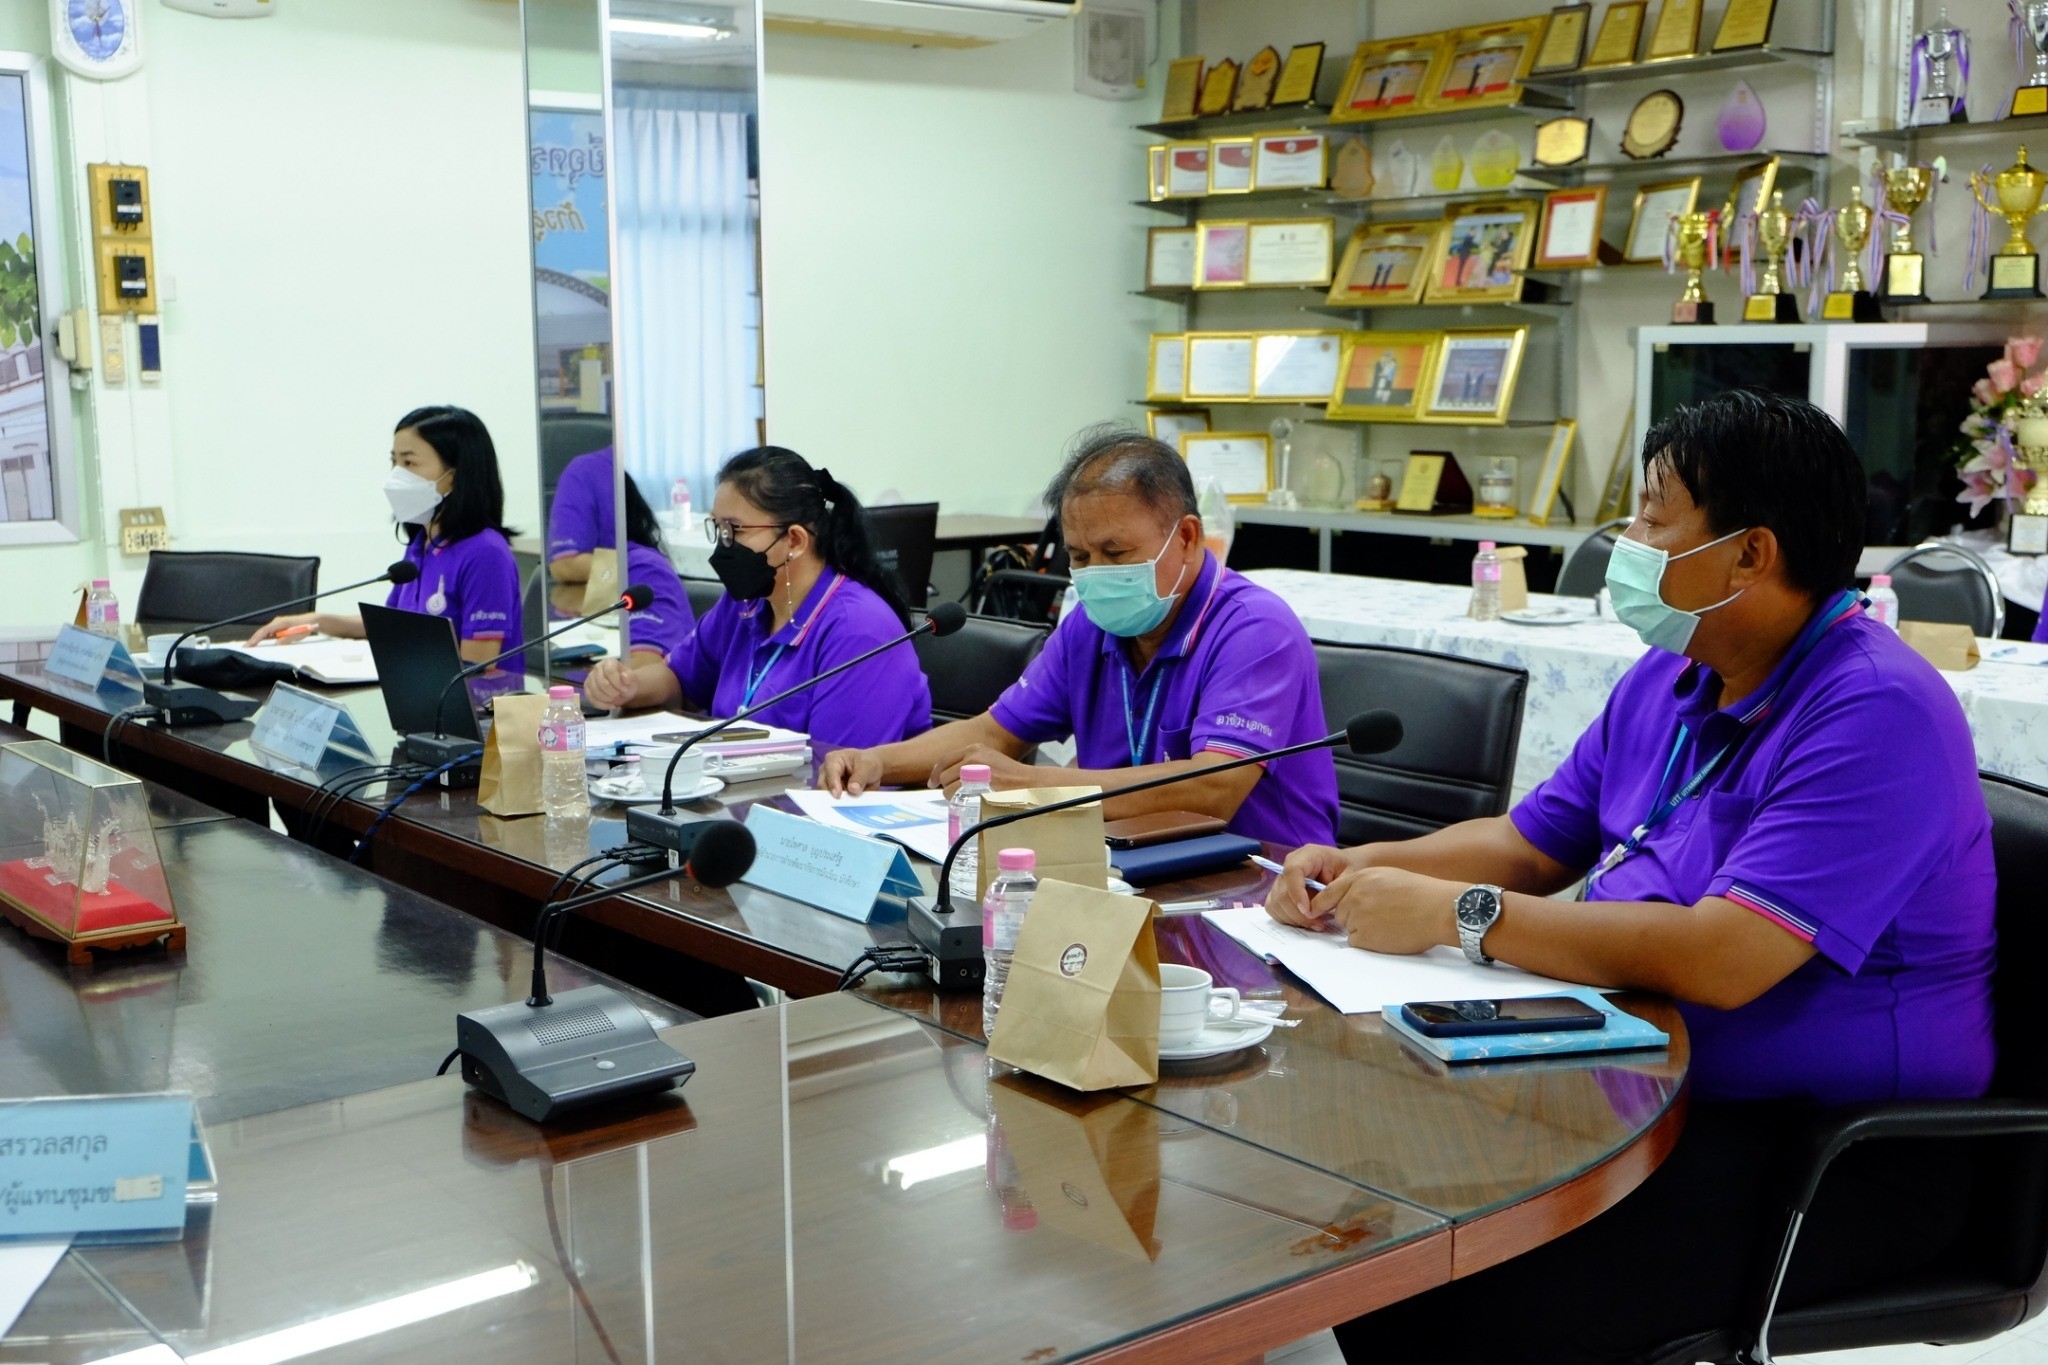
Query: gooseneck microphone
{"type": "Point", "coordinates": [549, 1055]}
{"type": "Point", "coordinates": [665, 828]}
{"type": "Point", "coordinates": [185, 704]}
{"type": "Point", "coordinates": [946, 938]}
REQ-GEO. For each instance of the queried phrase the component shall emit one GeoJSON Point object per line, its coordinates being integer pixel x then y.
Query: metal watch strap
{"type": "Point", "coordinates": [1473, 940]}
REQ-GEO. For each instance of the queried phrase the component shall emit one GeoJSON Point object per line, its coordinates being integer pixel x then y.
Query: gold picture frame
{"type": "Point", "coordinates": [1381, 376]}
{"type": "Point", "coordinates": [1297, 84]}
{"type": "Point", "coordinates": [1166, 367]}
{"type": "Point", "coordinates": [1745, 24]}
{"type": "Point", "coordinates": [1486, 65]}
{"type": "Point", "coordinates": [1568, 231]}
{"type": "Point", "coordinates": [1230, 165]}
{"type": "Point", "coordinates": [1473, 381]}
{"type": "Point", "coordinates": [1233, 459]}
{"type": "Point", "coordinates": [1485, 250]}
{"type": "Point", "coordinates": [1556, 459]}
{"type": "Point", "coordinates": [1222, 253]}
{"type": "Point", "coordinates": [1183, 90]}
{"type": "Point", "coordinates": [1621, 30]}
{"type": "Point", "coordinates": [1169, 424]}
{"type": "Point", "coordinates": [1564, 42]}
{"type": "Point", "coordinates": [1218, 367]}
{"type": "Point", "coordinates": [1648, 222]}
{"type": "Point", "coordinates": [1296, 160]}
{"type": "Point", "coordinates": [1187, 170]}
{"type": "Point", "coordinates": [1295, 367]}
{"type": "Point", "coordinates": [1155, 172]}
{"type": "Point", "coordinates": [1289, 253]}
{"type": "Point", "coordinates": [1386, 263]}
{"type": "Point", "coordinates": [1166, 249]}
{"type": "Point", "coordinates": [1390, 77]}
{"type": "Point", "coordinates": [1676, 35]}
{"type": "Point", "coordinates": [1750, 193]}
{"type": "Point", "coordinates": [1621, 474]}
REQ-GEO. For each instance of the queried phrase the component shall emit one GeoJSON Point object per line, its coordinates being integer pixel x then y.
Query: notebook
{"type": "Point", "coordinates": [1622, 1033]}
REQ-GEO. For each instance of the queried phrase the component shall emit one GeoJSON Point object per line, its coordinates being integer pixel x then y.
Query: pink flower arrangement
{"type": "Point", "coordinates": [1986, 458]}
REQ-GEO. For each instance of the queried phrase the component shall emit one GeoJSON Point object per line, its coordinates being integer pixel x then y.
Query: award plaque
{"type": "Point", "coordinates": [1620, 28]}
{"type": "Point", "coordinates": [1353, 177]}
{"type": "Point", "coordinates": [1563, 141]}
{"type": "Point", "coordinates": [1568, 235]}
{"type": "Point", "coordinates": [1677, 34]}
{"type": "Point", "coordinates": [1494, 159]}
{"type": "Point", "coordinates": [1217, 88]}
{"type": "Point", "coordinates": [1297, 83]}
{"type": "Point", "coordinates": [1183, 86]}
{"type": "Point", "coordinates": [1564, 42]}
{"type": "Point", "coordinates": [1745, 23]}
{"type": "Point", "coordinates": [1255, 88]}
{"type": "Point", "coordinates": [1653, 125]}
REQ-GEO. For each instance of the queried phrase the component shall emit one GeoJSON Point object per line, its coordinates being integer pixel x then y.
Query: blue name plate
{"type": "Point", "coordinates": [99, 663]}
{"type": "Point", "coordinates": [94, 1163]}
{"type": "Point", "coordinates": [833, 869]}
{"type": "Point", "coordinates": [308, 730]}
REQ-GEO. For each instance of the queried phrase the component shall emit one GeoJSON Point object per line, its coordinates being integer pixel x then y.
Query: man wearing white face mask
{"type": "Point", "coordinates": [1171, 665]}
{"type": "Point", "coordinates": [1780, 824]}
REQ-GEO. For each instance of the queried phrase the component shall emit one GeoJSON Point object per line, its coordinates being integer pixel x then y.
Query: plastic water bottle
{"type": "Point", "coordinates": [102, 609]}
{"type": "Point", "coordinates": [963, 812]}
{"type": "Point", "coordinates": [1884, 603]}
{"type": "Point", "coordinates": [1486, 583]}
{"type": "Point", "coordinates": [679, 506]}
{"type": "Point", "coordinates": [1002, 915]}
{"type": "Point", "coordinates": [562, 792]}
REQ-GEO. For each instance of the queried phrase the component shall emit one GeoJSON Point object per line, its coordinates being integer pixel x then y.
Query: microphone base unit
{"type": "Point", "coordinates": [588, 1046]}
{"type": "Point", "coordinates": [434, 751]}
{"type": "Point", "coordinates": [951, 943]}
{"type": "Point", "coordinates": [179, 704]}
{"type": "Point", "coordinates": [675, 831]}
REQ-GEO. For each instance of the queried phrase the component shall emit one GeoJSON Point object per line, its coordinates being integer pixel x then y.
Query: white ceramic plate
{"type": "Point", "coordinates": [601, 790]}
{"type": "Point", "coordinates": [1219, 1036]}
{"type": "Point", "coordinates": [1546, 616]}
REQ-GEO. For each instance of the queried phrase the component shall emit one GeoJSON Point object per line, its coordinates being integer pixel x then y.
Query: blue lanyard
{"type": "Point", "coordinates": [754, 680]}
{"type": "Point", "coordinates": [1140, 739]}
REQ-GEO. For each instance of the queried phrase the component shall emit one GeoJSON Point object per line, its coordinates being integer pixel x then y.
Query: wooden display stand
{"type": "Point", "coordinates": [115, 926]}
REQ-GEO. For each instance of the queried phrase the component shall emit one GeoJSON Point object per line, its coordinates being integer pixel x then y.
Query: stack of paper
{"type": "Point", "coordinates": [915, 819]}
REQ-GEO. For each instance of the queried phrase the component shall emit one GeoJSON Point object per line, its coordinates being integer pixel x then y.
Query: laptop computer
{"type": "Point", "coordinates": [417, 657]}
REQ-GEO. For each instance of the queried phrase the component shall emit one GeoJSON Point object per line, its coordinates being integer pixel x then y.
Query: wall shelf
{"type": "Point", "coordinates": [1683, 66]}
{"type": "Point", "coordinates": [1310, 116]}
{"type": "Point", "coordinates": [1950, 132]}
{"type": "Point", "coordinates": [1604, 172]}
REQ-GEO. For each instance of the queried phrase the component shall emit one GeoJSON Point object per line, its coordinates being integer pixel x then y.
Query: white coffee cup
{"type": "Point", "coordinates": [160, 645]}
{"type": "Point", "coordinates": [1187, 1002]}
{"type": "Point", "coordinates": [689, 773]}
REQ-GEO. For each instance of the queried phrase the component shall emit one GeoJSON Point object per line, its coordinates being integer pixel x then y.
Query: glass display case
{"type": "Point", "coordinates": [78, 857]}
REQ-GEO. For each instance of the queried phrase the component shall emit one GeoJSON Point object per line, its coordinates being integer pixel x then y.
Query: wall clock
{"type": "Point", "coordinates": [97, 38]}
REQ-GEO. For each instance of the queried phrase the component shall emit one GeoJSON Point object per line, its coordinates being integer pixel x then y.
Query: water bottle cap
{"type": "Point", "coordinates": [1019, 1219]}
{"type": "Point", "coordinates": [1016, 859]}
{"type": "Point", "coordinates": [1485, 545]}
{"type": "Point", "coordinates": [102, 583]}
{"type": "Point", "coordinates": [561, 694]}
{"type": "Point", "coordinates": [1883, 580]}
{"type": "Point", "coordinates": [976, 772]}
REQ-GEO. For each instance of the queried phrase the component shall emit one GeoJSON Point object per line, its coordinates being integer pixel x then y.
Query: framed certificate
{"type": "Point", "coordinates": [1298, 77]}
{"type": "Point", "coordinates": [1620, 30]}
{"type": "Point", "coordinates": [1220, 251]}
{"type": "Point", "coordinates": [1386, 263]}
{"type": "Point", "coordinates": [1487, 65]}
{"type": "Point", "coordinates": [1282, 161]}
{"type": "Point", "coordinates": [1170, 424]}
{"type": "Point", "coordinates": [1568, 237]}
{"type": "Point", "coordinates": [1217, 89]}
{"type": "Point", "coordinates": [1170, 258]}
{"type": "Point", "coordinates": [1552, 478]}
{"type": "Point", "coordinates": [1380, 375]}
{"type": "Point", "coordinates": [1677, 34]}
{"type": "Point", "coordinates": [1219, 365]}
{"type": "Point", "coordinates": [1187, 170]}
{"type": "Point", "coordinates": [1564, 42]}
{"type": "Point", "coordinates": [1183, 87]}
{"type": "Point", "coordinates": [1745, 23]}
{"type": "Point", "coordinates": [1474, 379]}
{"type": "Point", "coordinates": [1751, 192]}
{"type": "Point", "coordinates": [1230, 165]}
{"type": "Point", "coordinates": [1166, 366]}
{"type": "Point", "coordinates": [1485, 251]}
{"type": "Point", "coordinates": [1295, 367]}
{"type": "Point", "coordinates": [1155, 172]}
{"type": "Point", "coordinates": [1241, 462]}
{"type": "Point", "coordinates": [1656, 206]}
{"type": "Point", "coordinates": [1621, 472]}
{"type": "Point", "coordinates": [1390, 77]}
{"type": "Point", "coordinates": [1290, 251]}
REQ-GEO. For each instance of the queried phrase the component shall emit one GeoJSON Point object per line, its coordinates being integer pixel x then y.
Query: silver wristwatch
{"type": "Point", "coordinates": [1478, 908]}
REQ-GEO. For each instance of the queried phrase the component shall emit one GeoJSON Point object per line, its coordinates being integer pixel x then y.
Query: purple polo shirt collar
{"type": "Point", "coordinates": [1698, 687]}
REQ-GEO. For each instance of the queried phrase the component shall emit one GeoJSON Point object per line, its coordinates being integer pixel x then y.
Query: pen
{"type": "Point", "coordinates": [289, 633]}
{"type": "Point", "coordinates": [1267, 863]}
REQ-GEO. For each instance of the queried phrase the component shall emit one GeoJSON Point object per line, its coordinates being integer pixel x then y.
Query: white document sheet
{"type": "Point", "coordinates": [334, 662]}
{"type": "Point", "coordinates": [641, 730]}
{"type": "Point", "coordinates": [916, 820]}
{"type": "Point", "coordinates": [1358, 982]}
{"type": "Point", "coordinates": [23, 1268]}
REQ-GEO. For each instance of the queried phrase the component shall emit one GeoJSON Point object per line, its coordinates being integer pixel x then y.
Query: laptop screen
{"type": "Point", "coordinates": [417, 657]}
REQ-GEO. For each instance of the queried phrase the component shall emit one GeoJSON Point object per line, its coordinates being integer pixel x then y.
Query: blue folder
{"type": "Point", "coordinates": [1181, 858]}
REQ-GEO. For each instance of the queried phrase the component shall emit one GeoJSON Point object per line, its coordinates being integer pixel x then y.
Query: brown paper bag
{"type": "Point", "coordinates": [1514, 578]}
{"type": "Point", "coordinates": [601, 589]}
{"type": "Point", "coordinates": [1088, 1163]}
{"type": "Point", "coordinates": [510, 784]}
{"type": "Point", "coordinates": [1082, 1003]}
{"type": "Point", "coordinates": [1950, 647]}
{"type": "Point", "coordinates": [1068, 844]}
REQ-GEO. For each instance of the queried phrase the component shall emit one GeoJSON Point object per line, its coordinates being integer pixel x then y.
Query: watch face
{"type": "Point", "coordinates": [1475, 908]}
{"type": "Point", "coordinates": [98, 26]}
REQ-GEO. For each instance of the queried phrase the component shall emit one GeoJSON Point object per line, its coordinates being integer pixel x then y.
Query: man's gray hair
{"type": "Point", "coordinates": [1115, 459]}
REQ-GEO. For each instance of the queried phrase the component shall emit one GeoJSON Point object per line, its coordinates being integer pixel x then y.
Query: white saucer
{"type": "Point", "coordinates": [1219, 1036]}
{"type": "Point", "coordinates": [600, 790]}
{"type": "Point", "coordinates": [1121, 887]}
{"type": "Point", "coordinates": [1546, 616]}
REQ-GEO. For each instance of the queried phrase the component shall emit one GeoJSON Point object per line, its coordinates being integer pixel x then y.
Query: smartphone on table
{"type": "Point", "coordinates": [731, 736]}
{"type": "Point", "coordinates": [1526, 1014]}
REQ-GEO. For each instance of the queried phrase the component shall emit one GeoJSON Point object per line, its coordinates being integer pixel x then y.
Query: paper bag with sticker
{"type": "Point", "coordinates": [1068, 843]}
{"type": "Point", "coordinates": [1949, 647]}
{"type": "Point", "coordinates": [510, 784]}
{"type": "Point", "coordinates": [1514, 578]}
{"type": "Point", "coordinates": [1088, 1163]}
{"type": "Point", "coordinates": [601, 589]}
{"type": "Point", "coordinates": [1082, 1003]}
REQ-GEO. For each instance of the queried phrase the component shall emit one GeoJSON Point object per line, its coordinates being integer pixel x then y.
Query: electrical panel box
{"type": "Point", "coordinates": [121, 223]}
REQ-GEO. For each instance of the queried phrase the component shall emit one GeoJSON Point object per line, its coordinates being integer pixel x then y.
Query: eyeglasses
{"type": "Point", "coordinates": [723, 532]}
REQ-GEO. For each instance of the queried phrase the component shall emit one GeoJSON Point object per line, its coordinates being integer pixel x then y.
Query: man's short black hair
{"type": "Point", "coordinates": [1750, 458]}
{"type": "Point", "coordinates": [1114, 459]}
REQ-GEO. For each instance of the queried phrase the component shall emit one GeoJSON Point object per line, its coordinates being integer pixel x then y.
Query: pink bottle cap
{"type": "Point", "coordinates": [561, 694]}
{"type": "Point", "coordinates": [1882, 580]}
{"type": "Point", "coordinates": [1485, 545]}
{"type": "Point", "coordinates": [1016, 859]}
{"type": "Point", "coordinates": [976, 772]}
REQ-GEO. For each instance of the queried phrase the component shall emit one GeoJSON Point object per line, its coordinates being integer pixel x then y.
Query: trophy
{"type": "Point", "coordinates": [1772, 302]}
{"type": "Point", "coordinates": [2032, 95]}
{"type": "Point", "coordinates": [1695, 232]}
{"type": "Point", "coordinates": [2015, 269]}
{"type": "Point", "coordinates": [1906, 188]}
{"type": "Point", "coordinates": [1852, 302]}
{"type": "Point", "coordinates": [2029, 531]}
{"type": "Point", "coordinates": [1939, 76]}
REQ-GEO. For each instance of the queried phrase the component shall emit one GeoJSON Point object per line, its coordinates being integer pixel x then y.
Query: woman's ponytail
{"type": "Point", "coordinates": [785, 486]}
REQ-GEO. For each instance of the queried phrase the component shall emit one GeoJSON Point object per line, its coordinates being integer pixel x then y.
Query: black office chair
{"type": "Point", "coordinates": [971, 667]}
{"type": "Point", "coordinates": [905, 536]}
{"type": "Point", "coordinates": [1996, 1277]}
{"type": "Point", "coordinates": [564, 436]}
{"type": "Point", "coordinates": [1025, 587]}
{"type": "Point", "coordinates": [533, 604]}
{"type": "Point", "coordinates": [1941, 582]}
{"type": "Point", "coordinates": [1462, 724]}
{"type": "Point", "coordinates": [703, 594]}
{"type": "Point", "coordinates": [1585, 573]}
{"type": "Point", "coordinates": [189, 587]}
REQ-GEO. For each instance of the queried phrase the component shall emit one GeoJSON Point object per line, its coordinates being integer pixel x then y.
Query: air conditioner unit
{"type": "Point", "coordinates": [917, 23]}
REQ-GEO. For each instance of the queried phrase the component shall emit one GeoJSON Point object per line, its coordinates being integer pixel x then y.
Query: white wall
{"type": "Point", "coordinates": [948, 246]}
{"type": "Point", "coordinates": [342, 233]}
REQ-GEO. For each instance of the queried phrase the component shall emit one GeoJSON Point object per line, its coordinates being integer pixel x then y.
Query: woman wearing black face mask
{"type": "Point", "coordinates": [803, 593]}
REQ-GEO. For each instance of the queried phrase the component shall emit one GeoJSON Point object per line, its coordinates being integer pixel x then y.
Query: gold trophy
{"type": "Point", "coordinates": [2029, 531]}
{"type": "Point", "coordinates": [1852, 302]}
{"type": "Point", "coordinates": [2016, 269]}
{"type": "Point", "coordinates": [1772, 302]}
{"type": "Point", "coordinates": [1906, 188]}
{"type": "Point", "coordinates": [1693, 229]}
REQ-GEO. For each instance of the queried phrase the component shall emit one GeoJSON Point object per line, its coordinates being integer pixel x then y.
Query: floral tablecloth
{"type": "Point", "coordinates": [1572, 668]}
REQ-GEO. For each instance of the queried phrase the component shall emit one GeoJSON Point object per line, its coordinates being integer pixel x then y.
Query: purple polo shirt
{"type": "Point", "coordinates": [1237, 675]}
{"type": "Point", "coordinates": [1849, 816]}
{"type": "Point", "coordinates": [583, 517]}
{"type": "Point", "coordinates": [666, 621]}
{"type": "Point", "coordinates": [2041, 626]}
{"type": "Point", "coordinates": [474, 583]}
{"type": "Point", "coordinates": [732, 652]}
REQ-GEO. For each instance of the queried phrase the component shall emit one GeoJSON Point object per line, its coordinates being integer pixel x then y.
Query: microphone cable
{"type": "Point", "coordinates": [327, 798]}
{"type": "Point", "coordinates": [883, 957]}
{"type": "Point", "coordinates": [363, 844]}
{"type": "Point", "coordinates": [125, 716]}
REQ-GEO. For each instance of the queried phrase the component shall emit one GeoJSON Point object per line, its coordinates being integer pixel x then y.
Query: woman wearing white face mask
{"type": "Point", "coordinates": [446, 496]}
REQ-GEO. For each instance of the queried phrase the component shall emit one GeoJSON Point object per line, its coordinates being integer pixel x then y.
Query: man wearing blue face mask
{"type": "Point", "coordinates": [1171, 665]}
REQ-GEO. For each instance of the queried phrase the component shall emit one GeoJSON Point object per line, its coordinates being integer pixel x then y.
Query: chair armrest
{"type": "Point", "coordinates": [1051, 585]}
{"type": "Point", "coordinates": [1840, 1130]}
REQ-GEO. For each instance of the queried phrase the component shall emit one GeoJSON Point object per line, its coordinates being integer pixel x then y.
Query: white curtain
{"type": "Point", "coordinates": [684, 287]}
